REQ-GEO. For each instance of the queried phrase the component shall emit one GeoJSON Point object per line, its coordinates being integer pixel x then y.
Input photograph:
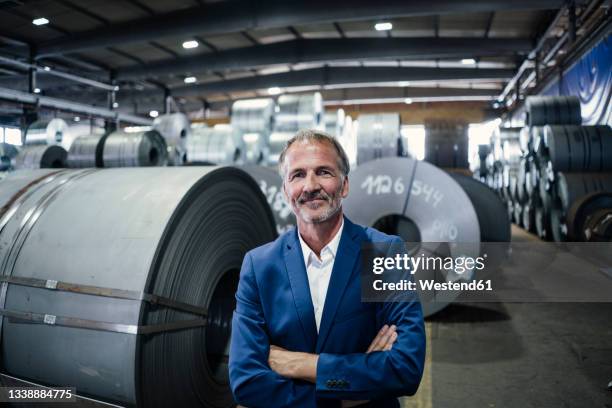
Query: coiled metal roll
{"type": "Point", "coordinates": [553, 110]}
{"type": "Point", "coordinates": [253, 118]}
{"type": "Point", "coordinates": [446, 144]}
{"type": "Point", "coordinates": [295, 112]}
{"type": "Point", "coordinates": [176, 130]}
{"type": "Point", "coordinates": [590, 218]}
{"type": "Point", "coordinates": [218, 145]}
{"type": "Point", "coordinates": [8, 152]}
{"type": "Point", "coordinates": [41, 157]}
{"type": "Point", "coordinates": [138, 149]}
{"type": "Point", "coordinates": [132, 304]}
{"type": "Point", "coordinates": [579, 148]}
{"type": "Point", "coordinates": [49, 132]}
{"type": "Point", "coordinates": [420, 203]}
{"type": "Point", "coordinates": [86, 151]}
{"type": "Point", "coordinates": [271, 185]}
{"type": "Point", "coordinates": [378, 136]}
{"type": "Point", "coordinates": [334, 122]}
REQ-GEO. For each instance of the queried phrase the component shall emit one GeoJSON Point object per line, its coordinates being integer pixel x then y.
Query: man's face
{"type": "Point", "coordinates": [313, 183]}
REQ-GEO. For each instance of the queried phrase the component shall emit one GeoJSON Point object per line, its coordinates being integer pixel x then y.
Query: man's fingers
{"type": "Point", "coordinates": [391, 341]}
{"type": "Point", "coordinates": [377, 339]}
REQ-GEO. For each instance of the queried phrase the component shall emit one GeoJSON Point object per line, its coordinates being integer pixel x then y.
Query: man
{"type": "Point", "coordinates": [301, 337]}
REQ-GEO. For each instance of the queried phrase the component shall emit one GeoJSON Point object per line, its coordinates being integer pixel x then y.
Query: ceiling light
{"type": "Point", "coordinates": [190, 79]}
{"type": "Point", "coordinates": [154, 114]}
{"type": "Point", "coordinates": [404, 83]}
{"type": "Point", "coordinates": [275, 90]}
{"type": "Point", "coordinates": [36, 90]}
{"type": "Point", "coordinates": [190, 44]}
{"type": "Point", "coordinates": [385, 26]}
{"type": "Point", "coordinates": [115, 105]}
{"type": "Point", "coordinates": [468, 61]}
{"type": "Point", "coordinates": [47, 69]}
{"type": "Point", "coordinates": [77, 119]}
{"type": "Point", "coordinates": [40, 21]}
{"type": "Point", "coordinates": [407, 101]}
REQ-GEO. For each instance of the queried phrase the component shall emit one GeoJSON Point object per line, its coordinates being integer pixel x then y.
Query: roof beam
{"type": "Point", "coordinates": [324, 50]}
{"type": "Point", "coordinates": [242, 15]}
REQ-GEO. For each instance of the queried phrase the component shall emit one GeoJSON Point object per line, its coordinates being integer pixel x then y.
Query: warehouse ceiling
{"type": "Point", "coordinates": [436, 49]}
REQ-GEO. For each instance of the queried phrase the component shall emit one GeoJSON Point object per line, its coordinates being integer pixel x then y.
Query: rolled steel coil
{"type": "Point", "coordinates": [420, 203]}
{"type": "Point", "coordinates": [517, 215]}
{"type": "Point", "coordinates": [588, 219]}
{"type": "Point", "coordinates": [8, 153]}
{"type": "Point", "coordinates": [271, 184]}
{"type": "Point", "coordinates": [542, 221]}
{"type": "Point", "coordinates": [276, 144]}
{"type": "Point", "coordinates": [446, 144]}
{"type": "Point", "coordinates": [334, 122]}
{"type": "Point", "coordinates": [522, 178]}
{"type": "Point", "coordinates": [50, 132]}
{"type": "Point", "coordinates": [253, 118]}
{"type": "Point", "coordinates": [138, 149]}
{"type": "Point", "coordinates": [133, 303]}
{"type": "Point", "coordinates": [41, 157]}
{"type": "Point", "coordinates": [579, 148]}
{"type": "Point", "coordinates": [217, 145]}
{"type": "Point", "coordinates": [528, 216]}
{"type": "Point", "coordinates": [295, 112]}
{"type": "Point", "coordinates": [86, 151]}
{"type": "Point", "coordinates": [378, 136]}
{"type": "Point", "coordinates": [553, 110]}
{"type": "Point", "coordinates": [175, 128]}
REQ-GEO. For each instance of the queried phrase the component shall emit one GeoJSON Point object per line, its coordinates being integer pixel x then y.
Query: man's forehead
{"type": "Point", "coordinates": [297, 149]}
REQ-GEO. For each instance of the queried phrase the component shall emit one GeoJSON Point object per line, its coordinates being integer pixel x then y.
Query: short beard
{"type": "Point", "coordinates": [329, 213]}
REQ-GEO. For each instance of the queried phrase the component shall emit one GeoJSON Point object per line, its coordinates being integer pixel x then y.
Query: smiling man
{"type": "Point", "coordinates": [301, 336]}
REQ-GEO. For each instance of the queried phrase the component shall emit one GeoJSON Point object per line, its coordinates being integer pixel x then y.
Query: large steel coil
{"type": "Point", "coordinates": [50, 132]}
{"type": "Point", "coordinates": [217, 145]}
{"type": "Point", "coordinates": [579, 148]}
{"type": "Point", "coordinates": [528, 215]}
{"type": "Point", "coordinates": [446, 144]}
{"type": "Point", "coordinates": [175, 128]}
{"type": "Point", "coordinates": [41, 157]}
{"type": "Point", "coordinates": [542, 221]}
{"type": "Point", "coordinates": [253, 118]}
{"type": "Point", "coordinates": [271, 185]}
{"type": "Point", "coordinates": [553, 110]}
{"type": "Point", "coordinates": [378, 136]}
{"type": "Point", "coordinates": [348, 139]}
{"type": "Point", "coordinates": [588, 219]}
{"type": "Point", "coordinates": [420, 203]}
{"type": "Point", "coordinates": [138, 149]}
{"type": "Point", "coordinates": [8, 153]}
{"type": "Point", "coordinates": [334, 122]}
{"type": "Point", "coordinates": [86, 151]}
{"type": "Point", "coordinates": [295, 112]}
{"type": "Point", "coordinates": [131, 304]}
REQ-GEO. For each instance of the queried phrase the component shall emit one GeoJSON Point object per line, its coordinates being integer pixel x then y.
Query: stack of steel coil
{"type": "Point", "coordinates": [253, 119]}
{"type": "Point", "coordinates": [87, 151]}
{"type": "Point", "coordinates": [175, 129]}
{"type": "Point", "coordinates": [49, 132]}
{"type": "Point", "coordinates": [221, 144]}
{"type": "Point", "coordinates": [133, 303]}
{"type": "Point", "coordinates": [446, 144]}
{"type": "Point", "coordinates": [293, 113]}
{"type": "Point", "coordinates": [378, 136]}
{"type": "Point", "coordinates": [41, 157]}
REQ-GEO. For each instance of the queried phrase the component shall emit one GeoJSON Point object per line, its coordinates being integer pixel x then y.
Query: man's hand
{"type": "Point", "coordinates": [384, 339]}
{"type": "Point", "coordinates": [292, 364]}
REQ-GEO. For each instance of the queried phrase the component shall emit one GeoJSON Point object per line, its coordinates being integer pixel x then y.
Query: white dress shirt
{"type": "Point", "coordinates": [319, 271]}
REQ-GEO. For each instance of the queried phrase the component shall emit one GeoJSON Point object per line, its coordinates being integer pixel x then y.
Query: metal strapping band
{"type": "Point", "coordinates": [53, 320]}
{"type": "Point", "coordinates": [104, 292]}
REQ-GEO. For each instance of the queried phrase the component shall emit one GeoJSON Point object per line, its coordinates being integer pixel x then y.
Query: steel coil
{"type": "Point", "coordinates": [588, 219]}
{"type": "Point", "coordinates": [50, 132]}
{"type": "Point", "coordinates": [334, 122]}
{"type": "Point", "coordinates": [579, 148]}
{"type": "Point", "coordinates": [420, 203]}
{"type": "Point", "coordinates": [218, 145]}
{"type": "Point", "coordinates": [138, 149]}
{"type": "Point", "coordinates": [253, 118]}
{"type": "Point", "coordinates": [271, 185]}
{"type": "Point", "coordinates": [553, 110]}
{"type": "Point", "coordinates": [8, 153]}
{"type": "Point", "coordinates": [86, 151]}
{"type": "Point", "coordinates": [175, 128]}
{"type": "Point", "coordinates": [446, 144]}
{"type": "Point", "coordinates": [295, 112]}
{"type": "Point", "coordinates": [144, 293]}
{"type": "Point", "coordinates": [41, 157]}
{"type": "Point", "coordinates": [378, 136]}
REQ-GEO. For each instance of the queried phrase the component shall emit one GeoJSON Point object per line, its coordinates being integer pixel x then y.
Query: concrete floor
{"type": "Point", "coordinates": [518, 355]}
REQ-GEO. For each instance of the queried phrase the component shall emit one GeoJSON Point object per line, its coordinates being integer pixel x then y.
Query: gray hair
{"type": "Point", "coordinates": [313, 135]}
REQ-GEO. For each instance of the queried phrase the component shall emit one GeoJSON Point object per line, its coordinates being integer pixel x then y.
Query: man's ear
{"type": "Point", "coordinates": [345, 187]}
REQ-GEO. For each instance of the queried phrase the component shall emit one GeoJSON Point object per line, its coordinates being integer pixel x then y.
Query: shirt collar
{"type": "Point", "coordinates": [331, 247]}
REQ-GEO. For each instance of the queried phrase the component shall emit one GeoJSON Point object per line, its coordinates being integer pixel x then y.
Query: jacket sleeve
{"type": "Point", "coordinates": [253, 382]}
{"type": "Point", "coordinates": [396, 372]}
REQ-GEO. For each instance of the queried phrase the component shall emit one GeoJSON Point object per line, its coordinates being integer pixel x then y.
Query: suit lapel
{"type": "Point", "coordinates": [296, 270]}
{"type": "Point", "coordinates": [344, 266]}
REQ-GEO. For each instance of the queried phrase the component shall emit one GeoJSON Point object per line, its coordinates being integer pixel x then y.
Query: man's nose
{"type": "Point", "coordinates": [311, 183]}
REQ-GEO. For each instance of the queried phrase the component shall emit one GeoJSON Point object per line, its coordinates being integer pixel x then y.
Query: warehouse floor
{"type": "Point", "coordinates": [518, 355]}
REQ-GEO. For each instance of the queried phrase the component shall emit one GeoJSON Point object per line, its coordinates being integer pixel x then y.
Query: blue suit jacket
{"type": "Point", "coordinates": [274, 307]}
